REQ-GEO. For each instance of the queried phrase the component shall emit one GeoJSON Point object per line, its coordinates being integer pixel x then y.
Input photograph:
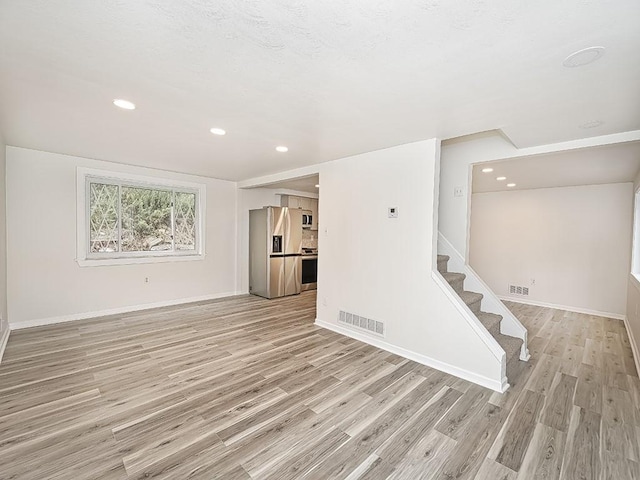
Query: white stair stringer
{"type": "Point", "coordinates": [509, 325]}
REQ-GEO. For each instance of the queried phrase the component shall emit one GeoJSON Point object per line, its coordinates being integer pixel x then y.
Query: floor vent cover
{"type": "Point", "coordinates": [518, 290]}
{"type": "Point", "coordinates": [351, 319]}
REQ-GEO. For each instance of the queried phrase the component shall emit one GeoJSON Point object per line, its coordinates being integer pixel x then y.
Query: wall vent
{"type": "Point", "coordinates": [374, 326]}
{"type": "Point", "coordinates": [518, 290]}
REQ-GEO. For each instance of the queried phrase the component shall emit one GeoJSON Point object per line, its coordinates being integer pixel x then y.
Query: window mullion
{"type": "Point", "coordinates": [196, 222]}
{"type": "Point", "coordinates": [173, 220]}
{"type": "Point", "coordinates": [87, 187]}
{"type": "Point", "coordinates": [119, 218]}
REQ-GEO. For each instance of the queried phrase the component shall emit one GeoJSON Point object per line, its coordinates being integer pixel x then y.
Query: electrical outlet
{"type": "Point", "coordinates": [533, 281]}
{"type": "Point", "coordinates": [393, 212]}
{"type": "Point", "coordinates": [146, 279]}
{"type": "Point", "coordinates": [458, 191]}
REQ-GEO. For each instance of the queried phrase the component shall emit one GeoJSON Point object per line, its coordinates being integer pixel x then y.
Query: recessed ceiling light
{"type": "Point", "coordinates": [282, 149]}
{"type": "Point", "coordinates": [583, 57]}
{"type": "Point", "coordinates": [317, 186]}
{"type": "Point", "coordinates": [218, 131]}
{"type": "Point", "coordinates": [591, 124]}
{"type": "Point", "coordinates": [511, 185]}
{"type": "Point", "coordinates": [500, 179]}
{"type": "Point", "coordinates": [487, 170]}
{"type": "Point", "coordinates": [126, 104]}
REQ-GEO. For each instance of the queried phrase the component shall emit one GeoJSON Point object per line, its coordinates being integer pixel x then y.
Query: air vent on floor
{"type": "Point", "coordinates": [363, 323]}
{"type": "Point", "coordinates": [518, 290]}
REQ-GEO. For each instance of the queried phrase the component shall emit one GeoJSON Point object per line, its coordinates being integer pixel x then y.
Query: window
{"type": "Point", "coordinates": [635, 252]}
{"type": "Point", "coordinates": [133, 218]}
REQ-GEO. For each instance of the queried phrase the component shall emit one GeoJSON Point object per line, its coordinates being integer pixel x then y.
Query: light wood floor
{"type": "Point", "coordinates": [250, 388]}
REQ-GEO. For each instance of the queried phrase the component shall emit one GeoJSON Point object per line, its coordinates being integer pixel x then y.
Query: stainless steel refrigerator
{"type": "Point", "coordinates": [275, 251]}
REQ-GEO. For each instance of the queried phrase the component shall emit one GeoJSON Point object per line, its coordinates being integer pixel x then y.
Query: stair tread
{"type": "Point", "coordinates": [489, 320]}
{"type": "Point", "coordinates": [490, 316]}
{"type": "Point", "coordinates": [511, 345]}
{"type": "Point", "coordinates": [470, 297]}
{"type": "Point", "coordinates": [443, 261]}
{"type": "Point", "coordinates": [453, 276]}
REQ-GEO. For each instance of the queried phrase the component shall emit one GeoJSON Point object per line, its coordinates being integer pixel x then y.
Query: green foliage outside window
{"type": "Point", "coordinates": [137, 219]}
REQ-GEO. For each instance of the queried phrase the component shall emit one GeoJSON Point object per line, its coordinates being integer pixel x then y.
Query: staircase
{"type": "Point", "coordinates": [491, 321]}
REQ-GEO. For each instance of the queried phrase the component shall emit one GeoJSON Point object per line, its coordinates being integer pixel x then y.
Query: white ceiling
{"type": "Point", "coordinates": [599, 165]}
{"type": "Point", "coordinates": [328, 79]}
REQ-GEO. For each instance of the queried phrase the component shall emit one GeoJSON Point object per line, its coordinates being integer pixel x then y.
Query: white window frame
{"type": "Point", "coordinates": [86, 258]}
{"type": "Point", "coordinates": [635, 245]}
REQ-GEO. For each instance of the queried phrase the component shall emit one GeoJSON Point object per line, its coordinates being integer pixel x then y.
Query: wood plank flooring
{"type": "Point", "coordinates": [249, 388]}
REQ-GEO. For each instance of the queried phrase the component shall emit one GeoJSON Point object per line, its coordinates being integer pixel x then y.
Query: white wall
{"type": "Point", "coordinates": [44, 280]}
{"type": "Point", "coordinates": [574, 241]}
{"type": "Point", "coordinates": [380, 268]}
{"type": "Point", "coordinates": [633, 287]}
{"type": "Point", "coordinates": [4, 319]}
{"type": "Point", "coordinates": [633, 317]}
{"type": "Point", "coordinates": [455, 170]}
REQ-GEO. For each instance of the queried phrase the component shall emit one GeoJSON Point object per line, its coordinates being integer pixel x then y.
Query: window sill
{"type": "Point", "coordinates": [103, 262]}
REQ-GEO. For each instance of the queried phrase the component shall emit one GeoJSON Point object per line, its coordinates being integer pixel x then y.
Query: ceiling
{"type": "Point", "coordinates": [593, 166]}
{"type": "Point", "coordinates": [327, 79]}
{"type": "Point", "coordinates": [302, 184]}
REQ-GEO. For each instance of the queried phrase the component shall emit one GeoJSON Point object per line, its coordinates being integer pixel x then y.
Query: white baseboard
{"type": "Point", "coordinates": [496, 385]}
{"type": "Point", "coordinates": [617, 316]}
{"type": "Point", "coordinates": [634, 345]}
{"type": "Point", "coordinates": [38, 322]}
{"type": "Point", "coordinates": [3, 342]}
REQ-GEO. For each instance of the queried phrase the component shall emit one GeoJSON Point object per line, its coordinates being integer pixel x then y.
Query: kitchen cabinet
{"type": "Point", "coordinates": [288, 201]}
{"type": "Point", "coordinates": [314, 212]}
{"type": "Point", "coordinates": [293, 201]}
{"type": "Point", "coordinates": [305, 203]}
